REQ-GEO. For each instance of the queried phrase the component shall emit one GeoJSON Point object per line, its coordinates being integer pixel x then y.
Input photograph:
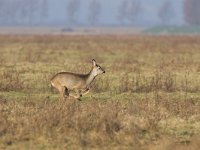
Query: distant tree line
{"type": "Point", "coordinates": [166, 12]}
{"type": "Point", "coordinates": [192, 11]}
{"type": "Point", "coordinates": [128, 11]}
{"type": "Point", "coordinates": [33, 12]}
{"type": "Point", "coordinates": [23, 11]}
{"type": "Point", "coordinates": [94, 11]}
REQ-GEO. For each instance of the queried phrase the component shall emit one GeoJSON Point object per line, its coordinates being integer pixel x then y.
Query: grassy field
{"type": "Point", "coordinates": [149, 97]}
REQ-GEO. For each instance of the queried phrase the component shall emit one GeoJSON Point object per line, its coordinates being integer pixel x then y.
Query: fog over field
{"type": "Point", "coordinates": [51, 12]}
{"type": "Point", "coordinates": [137, 16]}
{"type": "Point", "coordinates": [110, 11]}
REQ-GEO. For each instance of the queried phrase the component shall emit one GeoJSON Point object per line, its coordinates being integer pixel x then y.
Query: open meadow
{"type": "Point", "coordinates": [149, 97]}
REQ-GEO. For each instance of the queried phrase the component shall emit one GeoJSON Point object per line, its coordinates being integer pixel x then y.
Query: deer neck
{"type": "Point", "coordinates": [90, 77]}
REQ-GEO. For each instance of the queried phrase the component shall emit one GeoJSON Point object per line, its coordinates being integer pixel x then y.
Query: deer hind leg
{"type": "Point", "coordinates": [64, 92]}
{"type": "Point", "coordinates": [59, 88]}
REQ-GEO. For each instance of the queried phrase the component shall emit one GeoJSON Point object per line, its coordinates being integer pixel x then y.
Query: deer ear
{"type": "Point", "coordinates": [93, 62]}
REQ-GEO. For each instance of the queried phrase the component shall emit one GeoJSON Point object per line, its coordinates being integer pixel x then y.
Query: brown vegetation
{"type": "Point", "coordinates": [148, 98]}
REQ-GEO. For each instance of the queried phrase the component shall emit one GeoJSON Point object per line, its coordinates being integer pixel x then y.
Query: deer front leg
{"type": "Point", "coordinates": [84, 92]}
{"type": "Point", "coordinates": [76, 95]}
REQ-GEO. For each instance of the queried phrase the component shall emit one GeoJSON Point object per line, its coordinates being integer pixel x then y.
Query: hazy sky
{"type": "Point", "coordinates": [109, 12]}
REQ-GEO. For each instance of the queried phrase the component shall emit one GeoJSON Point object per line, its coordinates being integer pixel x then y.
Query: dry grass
{"type": "Point", "coordinates": [148, 98]}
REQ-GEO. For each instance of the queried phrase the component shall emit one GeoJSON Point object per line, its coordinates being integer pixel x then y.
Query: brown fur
{"type": "Point", "coordinates": [68, 82]}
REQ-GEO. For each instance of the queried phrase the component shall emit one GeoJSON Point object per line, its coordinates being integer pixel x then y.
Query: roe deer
{"type": "Point", "coordinates": [66, 82]}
